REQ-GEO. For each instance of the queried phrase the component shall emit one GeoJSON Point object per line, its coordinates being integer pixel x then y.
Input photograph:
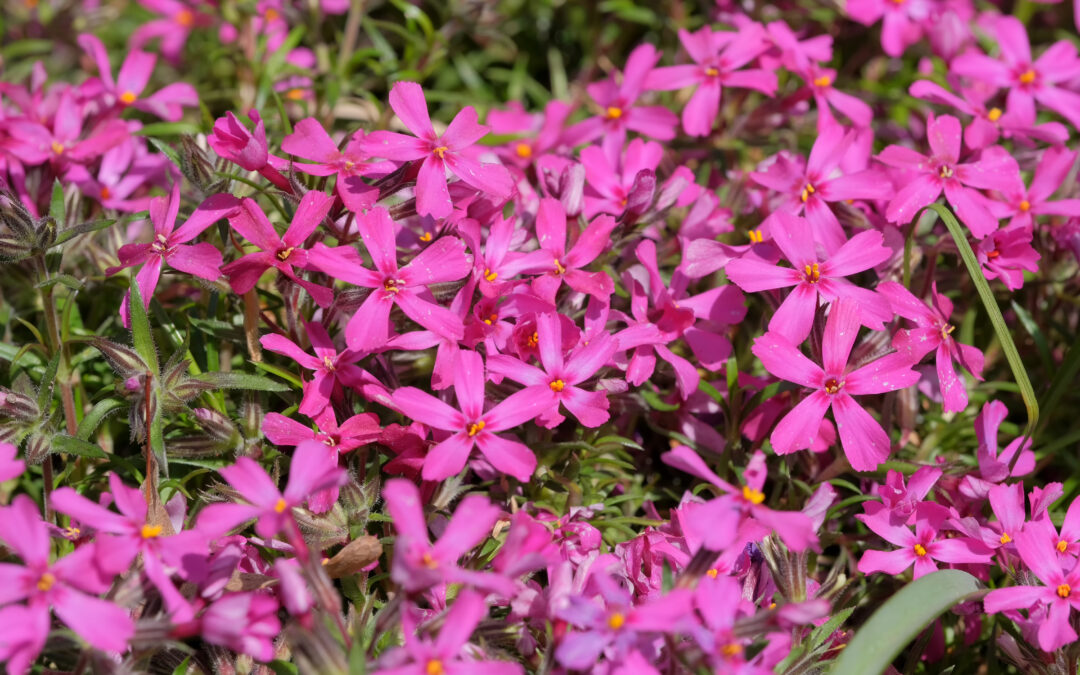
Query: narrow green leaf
{"type": "Point", "coordinates": [69, 445]}
{"type": "Point", "coordinates": [57, 209]}
{"type": "Point", "coordinates": [167, 150]}
{"type": "Point", "coordinates": [1064, 380]}
{"type": "Point", "coordinates": [48, 380]}
{"type": "Point", "coordinates": [141, 337]}
{"type": "Point", "coordinates": [992, 309]}
{"type": "Point", "coordinates": [96, 416]}
{"type": "Point", "coordinates": [183, 668]}
{"type": "Point", "coordinates": [236, 380]}
{"type": "Point", "coordinates": [82, 228]}
{"type": "Point", "coordinates": [901, 619]}
{"type": "Point", "coordinates": [1036, 335]}
{"type": "Point", "coordinates": [63, 280]}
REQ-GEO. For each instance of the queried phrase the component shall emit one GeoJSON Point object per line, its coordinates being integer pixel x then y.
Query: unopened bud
{"type": "Point", "coordinates": [215, 424]}
{"type": "Point", "coordinates": [18, 407]}
{"type": "Point", "coordinates": [357, 554]}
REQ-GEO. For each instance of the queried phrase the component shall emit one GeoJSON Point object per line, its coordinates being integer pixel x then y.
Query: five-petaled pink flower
{"type": "Point", "coordinates": [126, 90]}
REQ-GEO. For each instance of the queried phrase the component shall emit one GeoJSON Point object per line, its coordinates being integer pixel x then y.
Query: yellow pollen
{"type": "Point", "coordinates": [105, 192]}
{"type": "Point", "coordinates": [1062, 546]}
{"type": "Point", "coordinates": [534, 339]}
{"type": "Point", "coordinates": [523, 150]}
{"type": "Point", "coordinates": [391, 286]}
{"type": "Point", "coordinates": [731, 650]}
{"type": "Point", "coordinates": [616, 621]}
{"type": "Point", "coordinates": [947, 330]}
{"type": "Point", "coordinates": [440, 151]}
{"type": "Point", "coordinates": [425, 237]}
{"type": "Point", "coordinates": [150, 531]}
{"type": "Point", "coordinates": [832, 385]}
{"type": "Point", "coordinates": [712, 72]}
{"type": "Point", "coordinates": [328, 363]}
{"type": "Point", "coordinates": [57, 147]}
{"type": "Point", "coordinates": [920, 550]}
{"type": "Point", "coordinates": [489, 275]}
{"type": "Point", "coordinates": [46, 582]}
{"type": "Point", "coordinates": [812, 273]}
{"type": "Point", "coordinates": [272, 14]}
{"type": "Point", "coordinates": [559, 269]}
{"type": "Point", "coordinates": [946, 172]}
{"type": "Point", "coordinates": [127, 98]}
{"type": "Point", "coordinates": [72, 532]}
{"type": "Point", "coordinates": [753, 496]}
{"type": "Point", "coordinates": [614, 113]}
{"type": "Point", "coordinates": [713, 573]}
{"type": "Point", "coordinates": [476, 428]}
{"type": "Point", "coordinates": [755, 236]}
{"type": "Point", "coordinates": [1028, 77]}
{"type": "Point", "coordinates": [491, 318]}
{"type": "Point", "coordinates": [429, 562]}
{"type": "Point", "coordinates": [1025, 206]}
{"type": "Point", "coordinates": [807, 191]}
{"type": "Point", "coordinates": [280, 506]}
{"type": "Point", "coordinates": [185, 17]}
{"type": "Point", "coordinates": [1064, 590]}
{"type": "Point", "coordinates": [557, 385]}
{"type": "Point", "coordinates": [994, 114]}
{"type": "Point", "coordinates": [349, 165]}
{"type": "Point", "coordinates": [295, 94]}
{"type": "Point", "coordinates": [1005, 538]}
{"type": "Point", "coordinates": [284, 253]}
{"type": "Point", "coordinates": [434, 667]}
{"type": "Point", "coordinates": [822, 81]}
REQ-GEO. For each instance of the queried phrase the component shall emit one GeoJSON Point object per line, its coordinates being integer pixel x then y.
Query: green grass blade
{"type": "Point", "coordinates": [901, 619]}
{"type": "Point", "coordinates": [141, 336]}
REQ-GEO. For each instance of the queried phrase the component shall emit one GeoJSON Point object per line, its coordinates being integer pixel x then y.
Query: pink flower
{"type": "Point", "coordinates": [543, 131]}
{"type": "Point", "coordinates": [179, 19]}
{"type": "Point", "coordinates": [70, 585]}
{"type": "Point", "coordinates": [244, 622]}
{"type": "Point", "coordinates": [822, 84]}
{"type": "Point", "coordinates": [471, 426]}
{"type": "Point", "coordinates": [1023, 204]}
{"type": "Point", "coordinates": [560, 265]}
{"type": "Point", "coordinates": [1060, 594]}
{"type": "Point", "coordinates": [611, 182]}
{"type": "Point", "coordinates": [1027, 81]}
{"type": "Point", "coordinates": [717, 57]}
{"type": "Point", "coordinates": [922, 548]}
{"type": "Point", "coordinates": [864, 441]}
{"type": "Point", "coordinates": [443, 260]}
{"type": "Point", "coordinates": [283, 253]}
{"type": "Point", "coordinates": [993, 467]}
{"type": "Point", "coordinates": [248, 150]}
{"type": "Point", "coordinates": [313, 468]}
{"type": "Point", "coordinates": [126, 90]}
{"type": "Point", "coordinates": [24, 631]}
{"type": "Point", "coordinates": [1006, 253]}
{"type": "Point", "coordinates": [933, 332]}
{"type": "Point", "coordinates": [557, 382]}
{"type": "Point", "coordinates": [171, 245]}
{"type": "Point", "coordinates": [9, 466]}
{"type": "Point", "coordinates": [902, 22]}
{"type": "Point", "coordinates": [32, 143]}
{"type": "Point", "coordinates": [451, 150]}
{"type": "Point", "coordinates": [814, 279]}
{"type": "Point", "coordinates": [309, 140]}
{"type": "Point", "coordinates": [928, 176]}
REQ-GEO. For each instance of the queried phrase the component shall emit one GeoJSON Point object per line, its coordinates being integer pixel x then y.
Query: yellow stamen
{"type": "Point", "coordinates": [491, 318]}
{"type": "Point", "coordinates": [72, 532]}
{"type": "Point", "coordinates": [812, 273]}
{"type": "Point", "coordinates": [295, 94]}
{"type": "Point", "coordinates": [947, 330]}
{"type": "Point", "coordinates": [150, 531]}
{"type": "Point", "coordinates": [1025, 206]}
{"type": "Point", "coordinates": [280, 506]}
{"type": "Point", "coordinates": [428, 561]}
{"type": "Point", "coordinates": [1062, 546]}
{"type": "Point", "coordinates": [614, 113]}
{"type": "Point", "coordinates": [807, 191]}
{"type": "Point", "coordinates": [832, 385]}
{"type": "Point", "coordinates": [557, 386]}
{"type": "Point", "coordinates": [1005, 538]}
{"type": "Point", "coordinates": [440, 151]}
{"type": "Point", "coordinates": [822, 81]}
{"type": "Point", "coordinates": [712, 72]}
{"type": "Point", "coordinates": [284, 253]}
{"type": "Point", "coordinates": [272, 14]}
{"type": "Point", "coordinates": [994, 114]}
{"type": "Point", "coordinates": [46, 582]}
{"type": "Point", "coordinates": [1028, 77]}
{"type": "Point", "coordinates": [534, 339]}
{"type": "Point", "coordinates": [476, 428]}
{"type": "Point", "coordinates": [559, 269]}
{"type": "Point", "coordinates": [127, 98]}
{"type": "Point", "coordinates": [328, 363]}
{"type": "Point", "coordinates": [731, 650]}
{"type": "Point", "coordinates": [106, 193]}
{"type": "Point", "coordinates": [753, 496]}
{"type": "Point", "coordinates": [489, 275]}
{"type": "Point", "coordinates": [1064, 590]}
{"type": "Point", "coordinates": [523, 150]}
{"type": "Point", "coordinates": [425, 237]}
{"type": "Point", "coordinates": [57, 147]}
{"type": "Point", "coordinates": [392, 285]}
{"type": "Point", "coordinates": [755, 236]}
{"type": "Point", "coordinates": [434, 667]}
{"type": "Point", "coordinates": [946, 172]}
{"type": "Point", "coordinates": [185, 17]}
{"type": "Point", "coordinates": [616, 621]}
{"type": "Point", "coordinates": [713, 573]}
{"type": "Point", "coordinates": [920, 550]}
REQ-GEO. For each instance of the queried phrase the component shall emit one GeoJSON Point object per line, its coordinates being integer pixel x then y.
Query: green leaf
{"type": "Point", "coordinates": [168, 151]}
{"type": "Point", "coordinates": [235, 380]}
{"type": "Point", "coordinates": [283, 667]}
{"type": "Point", "coordinates": [141, 337]}
{"type": "Point", "coordinates": [48, 380]}
{"type": "Point", "coordinates": [57, 209]}
{"type": "Point", "coordinates": [901, 619]}
{"type": "Point", "coordinates": [82, 228]}
{"type": "Point", "coordinates": [183, 667]}
{"type": "Point", "coordinates": [62, 279]}
{"type": "Point", "coordinates": [1036, 334]}
{"type": "Point", "coordinates": [1016, 364]}
{"type": "Point", "coordinates": [1064, 380]}
{"type": "Point", "coordinates": [96, 416]}
{"type": "Point", "coordinates": [69, 445]}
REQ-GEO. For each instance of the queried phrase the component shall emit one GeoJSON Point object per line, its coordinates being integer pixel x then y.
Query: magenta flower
{"type": "Point", "coordinates": [557, 382]}
{"type": "Point", "coordinates": [443, 655]}
{"type": "Point", "coordinates": [814, 279]}
{"type": "Point", "coordinates": [24, 631]}
{"type": "Point", "coordinates": [1006, 253]}
{"type": "Point", "coordinates": [313, 468]}
{"type": "Point", "coordinates": [309, 140]}
{"type": "Point", "coordinates": [902, 500]}
{"type": "Point", "coordinates": [994, 467]}
{"type": "Point", "coordinates": [811, 188]}
{"type": "Point", "coordinates": [923, 548]}
{"type": "Point", "coordinates": [618, 110]}
{"type": "Point", "coordinates": [69, 586]}
{"type": "Point", "coordinates": [718, 57]}
{"type": "Point", "coordinates": [9, 466]}
{"type": "Point", "coordinates": [1060, 594]}
{"type": "Point", "coordinates": [284, 252]}
{"type": "Point", "coordinates": [357, 431]}
{"type": "Point", "coordinates": [822, 85]}
{"type": "Point", "coordinates": [933, 332]}
{"type": "Point", "coordinates": [928, 176]}
{"type": "Point", "coordinates": [33, 143]}
{"type": "Point", "coordinates": [1023, 204]}
{"type": "Point", "coordinates": [901, 22]}
{"type": "Point", "coordinates": [244, 622]}
{"type": "Point", "coordinates": [864, 441]}
{"type": "Point", "coordinates": [543, 131]}
{"type": "Point", "coordinates": [121, 175]}
{"type": "Point", "coordinates": [450, 151]}
{"type": "Point", "coordinates": [178, 19]}
{"type": "Point", "coordinates": [126, 90]}
{"type": "Point", "coordinates": [610, 182]}
{"type": "Point", "coordinates": [419, 565]}
{"type": "Point", "coordinates": [443, 260]}
{"type": "Point", "coordinates": [1028, 81]}
{"type": "Point", "coordinates": [331, 369]}
{"type": "Point", "coordinates": [171, 245]}
{"type": "Point", "coordinates": [560, 265]}
{"type": "Point", "coordinates": [471, 426]}
{"type": "Point", "coordinates": [247, 149]}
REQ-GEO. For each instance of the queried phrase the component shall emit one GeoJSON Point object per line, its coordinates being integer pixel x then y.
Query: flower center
{"type": "Point", "coordinates": [1005, 538]}
{"type": "Point", "coordinates": [476, 427]}
{"type": "Point", "coordinates": [994, 114]}
{"type": "Point", "coordinates": [105, 193]}
{"type": "Point", "coordinates": [613, 113]}
{"type": "Point", "coordinates": [712, 72]}
{"type": "Point", "coordinates": [812, 273]}
{"type": "Point", "coordinates": [945, 171]}
{"type": "Point", "coordinates": [920, 550]}
{"type": "Point", "coordinates": [833, 385]}
{"type": "Point", "coordinates": [272, 14]}
{"type": "Point", "coordinates": [993, 254]}
{"type": "Point", "coordinates": [947, 330]}
{"type": "Point", "coordinates": [559, 268]}
{"type": "Point", "coordinates": [425, 237]}
{"type": "Point", "coordinates": [753, 496]}
{"type": "Point", "coordinates": [616, 621]}
{"type": "Point", "coordinates": [294, 94]}
{"type": "Point", "coordinates": [523, 150]}
{"type": "Point", "coordinates": [755, 236]}
{"type": "Point", "coordinates": [72, 532]}
{"type": "Point", "coordinates": [1025, 206]}
{"type": "Point", "coordinates": [434, 667]}
{"type": "Point", "coordinates": [427, 561]}
{"type": "Point", "coordinates": [807, 191]}
{"type": "Point", "coordinates": [57, 148]}
{"type": "Point", "coordinates": [161, 242]}
{"type": "Point", "coordinates": [284, 253]}
{"type": "Point", "coordinates": [185, 17]}
{"type": "Point", "coordinates": [489, 275]}
{"type": "Point", "coordinates": [440, 151]}
{"type": "Point", "coordinates": [822, 81]}
{"type": "Point", "coordinates": [1064, 590]}
{"type": "Point", "coordinates": [1027, 77]}
{"type": "Point", "coordinates": [491, 318]}
{"type": "Point", "coordinates": [534, 339]}
{"type": "Point", "coordinates": [127, 98]}
{"type": "Point", "coordinates": [150, 531]}
{"type": "Point", "coordinates": [713, 573]}
{"type": "Point", "coordinates": [731, 650]}
{"type": "Point", "coordinates": [46, 582]}
{"type": "Point", "coordinates": [393, 285]}
{"type": "Point", "coordinates": [328, 363]}
{"type": "Point", "coordinates": [280, 506]}
{"type": "Point", "coordinates": [1062, 546]}
{"type": "Point", "coordinates": [557, 385]}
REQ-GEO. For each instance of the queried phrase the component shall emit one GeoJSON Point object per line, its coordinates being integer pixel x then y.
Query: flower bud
{"type": "Point", "coordinates": [357, 554]}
